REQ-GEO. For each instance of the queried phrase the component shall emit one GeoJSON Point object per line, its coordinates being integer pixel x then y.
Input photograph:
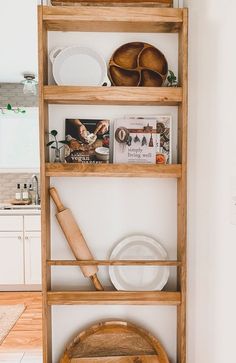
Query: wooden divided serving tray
{"type": "Point", "coordinates": [158, 3]}
{"type": "Point", "coordinates": [138, 64]}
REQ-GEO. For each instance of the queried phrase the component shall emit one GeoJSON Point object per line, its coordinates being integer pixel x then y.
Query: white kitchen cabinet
{"type": "Point", "coordinates": [20, 252]}
{"type": "Point", "coordinates": [19, 141]}
{"type": "Point", "coordinates": [11, 258]}
{"type": "Point", "coordinates": [32, 223]}
{"type": "Point", "coordinates": [11, 223]}
{"type": "Point", "coordinates": [32, 242]}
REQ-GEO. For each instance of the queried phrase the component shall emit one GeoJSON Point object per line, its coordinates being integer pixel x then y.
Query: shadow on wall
{"type": "Point", "coordinates": [207, 174]}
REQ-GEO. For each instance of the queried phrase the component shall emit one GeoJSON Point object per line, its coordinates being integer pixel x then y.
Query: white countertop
{"type": "Point", "coordinates": [9, 209]}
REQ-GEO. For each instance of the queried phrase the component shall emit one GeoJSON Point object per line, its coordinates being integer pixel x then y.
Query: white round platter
{"type": "Point", "coordinates": [78, 66]}
{"type": "Point", "coordinates": [139, 278]}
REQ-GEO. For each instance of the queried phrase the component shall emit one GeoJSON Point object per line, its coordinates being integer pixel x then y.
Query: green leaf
{"type": "Point", "coordinates": [50, 143]}
{"type": "Point", "coordinates": [54, 132]}
{"type": "Point", "coordinates": [53, 147]}
{"type": "Point", "coordinates": [65, 142]}
{"type": "Point", "coordinates": [9, 107]}
{"type": "Point", "coordinates": [22, 111]}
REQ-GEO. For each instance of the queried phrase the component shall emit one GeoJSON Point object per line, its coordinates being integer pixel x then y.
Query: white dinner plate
{"type": "Point", "coordinates": [139, 278]}
{"type": "Point", "coordinates": [78, 66]}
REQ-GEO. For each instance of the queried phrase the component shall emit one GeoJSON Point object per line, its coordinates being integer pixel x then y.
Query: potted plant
{"type": "Point", "coordinates": [55, 145]}
{"type": "Point", "coordinates": [172, 79]}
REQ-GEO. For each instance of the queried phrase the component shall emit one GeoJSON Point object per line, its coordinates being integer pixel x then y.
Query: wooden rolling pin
{"type": "Point", "coordinates": [75, 238]}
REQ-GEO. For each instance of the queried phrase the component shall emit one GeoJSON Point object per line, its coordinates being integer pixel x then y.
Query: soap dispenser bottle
{"type": "Point", "coordinates": [25, 193]}
{"type": "Point", "coordinates": [18, 194]}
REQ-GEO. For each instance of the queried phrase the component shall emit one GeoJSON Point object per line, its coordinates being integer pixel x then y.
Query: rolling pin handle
{"type": "Point", "coordinates": [98, 286]}
{"type": "Point", "coordinates": [56, 199]}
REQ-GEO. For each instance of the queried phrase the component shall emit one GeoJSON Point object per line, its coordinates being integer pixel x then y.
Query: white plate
{"type": "Point", "coordinates": [78, 66]}
{"type": "Point", "coordinates": [139, 278]}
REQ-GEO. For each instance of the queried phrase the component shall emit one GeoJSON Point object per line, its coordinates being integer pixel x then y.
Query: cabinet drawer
{"type": "Point", "coordinates": [11, 258]}
{"type": "Point", "coordinates": [11, 223]}
{"type": "Point", "coordinates": [32, 223]}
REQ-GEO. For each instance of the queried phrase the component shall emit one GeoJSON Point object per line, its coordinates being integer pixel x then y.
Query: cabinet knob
{"type": "Point", "coordinates": [19, 237]}
{"type": "Point", "coordinates": [26, 237]}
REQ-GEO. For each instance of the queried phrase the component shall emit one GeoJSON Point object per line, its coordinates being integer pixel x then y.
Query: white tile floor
{"type": "Point", "coordinates": [21, 357]}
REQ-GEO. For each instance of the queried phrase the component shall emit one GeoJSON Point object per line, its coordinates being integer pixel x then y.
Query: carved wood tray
{"type": "Point", "coordinates": [114, 342]}
{"type": "Point", "coordinates": [138, 64]}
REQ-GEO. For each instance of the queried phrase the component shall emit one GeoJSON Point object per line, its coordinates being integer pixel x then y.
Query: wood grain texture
{"type": "Point", "coordinates": [158, 3]}
{"type": "Point", "coordinates": [73, 235]}
{"type": "Point", "coordinates": [123, 19]}
{"type": "Point", "coordinates": [113, 298]}
{"type": "Point", "coordinates": [112, 339]}
{"type": "Point", "coordinates": [182, 189]}
{"type": "Point", "coordinates": [44, 185]}
{"type": "Point", "coordinates": [114, 170]}
{"type": "Point", "coordinates": [113, 263]}
{"type": "Point", "coordinates": [117, 359]}
{"type": "Point", "coordinates": [27, 332]}
{"type": "Point", "coordinates": [162, 96]}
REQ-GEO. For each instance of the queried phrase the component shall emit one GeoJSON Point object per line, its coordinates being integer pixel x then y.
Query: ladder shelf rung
{"type": "Point", "coordinates": [113, 263]}
{"type": "Point", "coordinates": [113, 298]}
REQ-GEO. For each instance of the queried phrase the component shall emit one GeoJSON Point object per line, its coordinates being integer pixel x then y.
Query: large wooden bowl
{"type": "Point", "coordinates": [114, 342]}
{"type": "Point", "coordinates": [138, 64]}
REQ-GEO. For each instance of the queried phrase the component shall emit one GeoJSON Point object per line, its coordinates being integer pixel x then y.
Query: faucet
{"type": "Point", "coordinates": [35, 186]}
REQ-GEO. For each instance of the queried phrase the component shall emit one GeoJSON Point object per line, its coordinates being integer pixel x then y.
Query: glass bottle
{"type": "Point", "coordinates": [25, 193]}
{"type": "Point", "coordinates": [18, 195]}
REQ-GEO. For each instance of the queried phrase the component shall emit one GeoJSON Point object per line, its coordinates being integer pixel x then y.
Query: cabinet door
{"type": "Point", "coordinates": [11, 258]}
{"type": "Point", "coordinates": [33, 258]}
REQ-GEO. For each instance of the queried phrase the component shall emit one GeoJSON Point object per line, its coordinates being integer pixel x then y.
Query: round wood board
{"type": "Point", "coordinates": [114, 342]}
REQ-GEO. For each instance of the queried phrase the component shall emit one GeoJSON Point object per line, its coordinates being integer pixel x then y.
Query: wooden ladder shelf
{"type": "Point", "coordinates": [141, 19]}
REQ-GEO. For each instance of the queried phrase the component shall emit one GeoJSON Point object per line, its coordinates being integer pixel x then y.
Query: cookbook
{"type": "Point", "coordinates": [135, 141]}
{"type": "Point", "coordinates": [163, 131]}
{"type": "Point", "coordinates": [87, 141]}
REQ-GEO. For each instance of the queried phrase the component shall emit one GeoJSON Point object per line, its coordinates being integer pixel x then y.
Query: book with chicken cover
{"type": "Point", "coordinates": [135, 141]}
{"type": "Point", "coordinates": [87, 141]}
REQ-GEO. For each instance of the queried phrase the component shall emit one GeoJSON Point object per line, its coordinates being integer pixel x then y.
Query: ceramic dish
{"type": "Point", "coordinates": [78, 66]}
{"type": "Point", "coordinates": [139, 278]}
{"type": "Point", "coordinates": [102, 153]}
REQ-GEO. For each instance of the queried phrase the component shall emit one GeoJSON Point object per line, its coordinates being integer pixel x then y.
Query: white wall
{"type": "Point", "coordinates": [212, 170]}
{"type": "Point", "coordinates": [18, 34]}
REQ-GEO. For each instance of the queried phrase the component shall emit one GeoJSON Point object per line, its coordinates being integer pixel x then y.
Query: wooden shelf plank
{"type": "Point", "coordinates": [122, 19]}
{"type": "Point", "coordinates": [118, 359]}
{"type": "Point", "coordinates": [113, 298]}
{"type": "Point", "coordinates": [169, 96]}
{"type": "Point", "coordinates": [113, 263]}
{"type": "Point", "coordinates": [114, 170]}
{"type": "Point", "coordinates": [158, 3]}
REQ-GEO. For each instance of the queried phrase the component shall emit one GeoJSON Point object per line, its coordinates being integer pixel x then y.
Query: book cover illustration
{"type": "Point", "coordinates": [88, 141]}
{"type": "Point", "coordinates": [164, 145]}
{"type": "Point", "coordinates": [163, 130]}
{"type": "Point", "coordinates": [135, 141]}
